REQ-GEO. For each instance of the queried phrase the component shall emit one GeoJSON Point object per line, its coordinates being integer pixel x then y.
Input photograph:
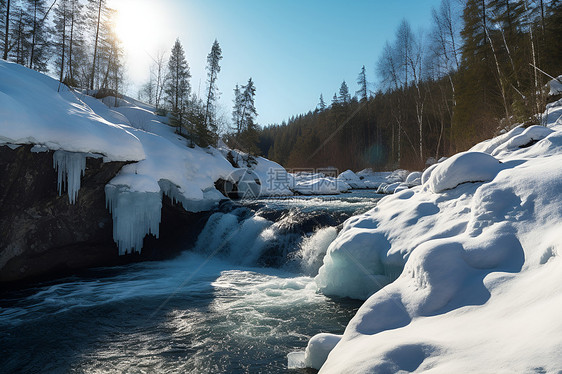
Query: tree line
{"type": "Point", "coordinates": [169, 90]}
{"type": "Point", "coordinates": [481, 68]}
{"type": "Point", "coordinates": [73, 39]}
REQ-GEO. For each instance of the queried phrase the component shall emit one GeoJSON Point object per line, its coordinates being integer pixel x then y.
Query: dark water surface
{"type": "Point", "coordinates": [207, 311]}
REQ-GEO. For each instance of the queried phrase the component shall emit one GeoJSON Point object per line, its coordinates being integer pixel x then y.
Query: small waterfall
{"type": "Point", "coordinates": [293, 238]}
{"type": "Point", "coordinates": [313, 249]}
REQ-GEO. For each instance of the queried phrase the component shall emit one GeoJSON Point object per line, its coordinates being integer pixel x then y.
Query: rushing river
{"type": "Point", "coordinates": [238, 301]}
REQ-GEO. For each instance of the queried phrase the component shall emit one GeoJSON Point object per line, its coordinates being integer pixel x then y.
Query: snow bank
{"type": "Point", "coordinates": [472, 270]}
{"type": "Point", "coordinates": [33, 111]}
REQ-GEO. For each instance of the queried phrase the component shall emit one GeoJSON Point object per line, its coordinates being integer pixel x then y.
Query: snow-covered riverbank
{"type": "Point", "coordinates": [460, 274]}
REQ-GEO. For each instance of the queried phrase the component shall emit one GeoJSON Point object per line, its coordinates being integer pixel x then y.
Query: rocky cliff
{"type": "Point", "coordinates": [43, 235]}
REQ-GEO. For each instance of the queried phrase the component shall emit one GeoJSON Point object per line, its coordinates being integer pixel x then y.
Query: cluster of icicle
{"type": "Point", "coordinates": [135, 214]}
{"type": "Point", "coordinates": [70, 166]}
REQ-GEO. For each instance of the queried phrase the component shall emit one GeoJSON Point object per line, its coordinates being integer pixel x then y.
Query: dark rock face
{"type": "Point", "coordinates": [43, 235]}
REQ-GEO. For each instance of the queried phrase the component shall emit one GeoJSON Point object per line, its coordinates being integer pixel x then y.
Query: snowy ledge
{"type": "Point", "coordinates": [35, 109]}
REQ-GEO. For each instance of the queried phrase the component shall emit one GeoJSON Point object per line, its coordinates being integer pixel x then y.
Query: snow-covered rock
{"type": "Point", "coordinates": [352, 180]}
{"type": "Point", "coordinates": [463, 168]}
{"type": "Point", "coordinates": [427, 173]}
{"type": "Point", "coordinates": [528, 137]}
{"type": "Point", "coordinates": [414, 178]}
{"type": "Point", "coordinates": [258, 176]}
{"type": "Point", "coordinates": [376, 179]}
{"type": "Point", "coordinates": [318, 349]}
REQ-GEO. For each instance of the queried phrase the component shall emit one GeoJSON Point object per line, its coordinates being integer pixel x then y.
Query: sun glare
{"type": "Point", "coordinates": [140, 25]}
{"type": "Point", "coordinates": [135, 22]}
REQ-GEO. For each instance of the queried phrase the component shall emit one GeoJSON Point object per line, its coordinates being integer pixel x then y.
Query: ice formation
{"type": "Point", "coordinates": [70, 166]}
{"type": "Point", "coordinates": [135, 214]}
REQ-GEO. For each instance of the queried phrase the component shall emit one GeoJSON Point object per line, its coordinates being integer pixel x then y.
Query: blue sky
{"type": "Point", "coordinates": [294, 50]}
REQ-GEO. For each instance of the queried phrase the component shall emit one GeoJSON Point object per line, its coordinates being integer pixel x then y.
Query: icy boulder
{"type": "Point", "coordinates": [461, 168]}
{"type": "Point", "coordinates": [351, 179]}
{"type": "Point", "coordinates": [352, 265]}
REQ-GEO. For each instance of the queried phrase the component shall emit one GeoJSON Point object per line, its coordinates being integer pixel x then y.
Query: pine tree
{"type": "Point", "coordinates": [248, 138]}
{"type": "Point", "coordinates": [344, 96]}
{"type": "Point", "coordinates": [178, 88]}
{"type": "Point", "coordinates": [362, 82]}
{"type": "Point", "coordinates": [237, 111]}
{"type": "Point", "coordinates": [209, 130]}
{"type": "Point", "coordinates": [321, 104]}
{"type": "Point", "coordinates": [335, 100]}
{"type": "Point", "coordinates": [477, 90]}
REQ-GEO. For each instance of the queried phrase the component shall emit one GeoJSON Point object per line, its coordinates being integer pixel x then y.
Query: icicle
{"type": "Point", "coordinates": [135, 214]}
{"type": "Point", "coordinates": [70, 167]}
